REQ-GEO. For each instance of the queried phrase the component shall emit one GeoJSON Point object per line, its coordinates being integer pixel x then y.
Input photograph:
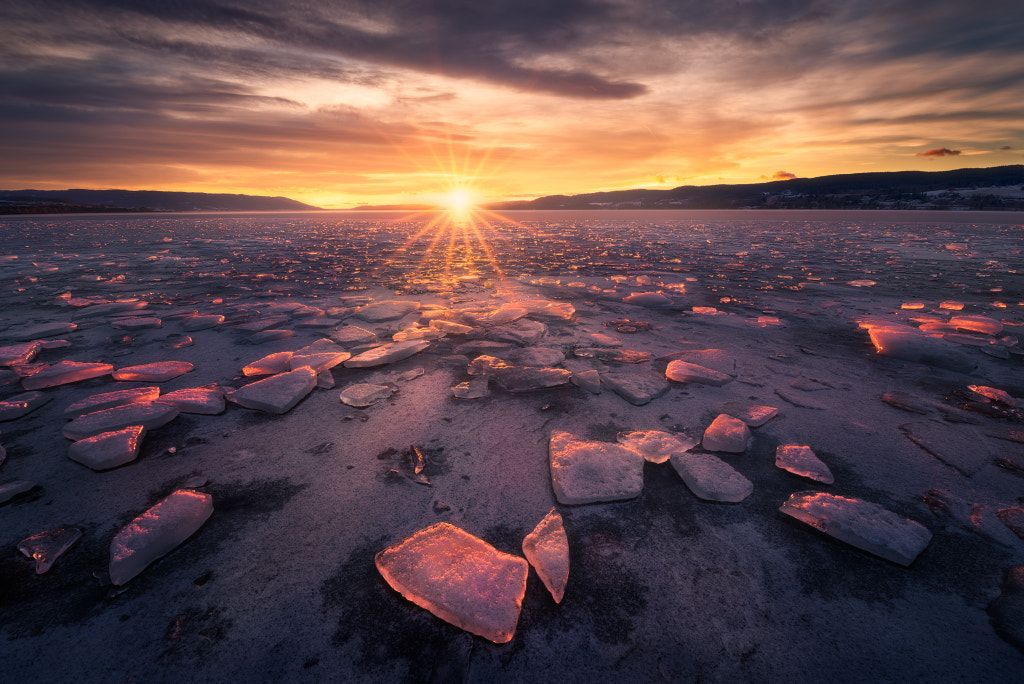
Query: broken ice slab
{"type": "Point", "coordinates": [492, 317]}
{"type": "Point", "coordinates": [362, 395]}
{"type": "Point", "coordinates": [271, 336]}
{"type": "Point", "coordinates": [459, 578]}
{"type": "Point", "coordinates": [388, 310]}
{"type": "Point", "coordinates": [64, 373]}
{"type": "Point", "coordinates": [981, 324]}
{"type": "Point", "coordinates": [151, 415]}
{"type": "Point", "coordinates": [801, 399]}
{"type": "Point", "coordinates": [46, 547]}
{"type": "Point", "coordinates": [136, 324]}
{"type": "Point", "coordinates": [589, 380]}
{"type": "Point", "coordinates": [485, 365]}
{"type": "Point", "coordinates": [272, 364]}
{"type": "Point", "coordinates": [981, 519]}
{"type": "Point", "coordinates": [710, 478]}
{"type": "Point", "coordinates": [278, 393]}
{"type": "Point", "coordinates": [612, 355]}
{"type": "Point", "coordinates": [108, 449]}
{"type": "Point", "coordinates": [9, 490]}
{"type": "Point", "coordinates": [636, 388]}
{"type": "Point", "coordinates": [204, 401]}
{"type": "Point", "coordinates": [585, 472]}
{"type": "Point", "coordinates": [751, 414]}
{"type": "Point", "coordinates": [802, 461]}
{"type": "Point", "coordinates": [320, 356]}
{"type": "Point", "coordinates": [203, 322]}
{"type": "Point", "coordinates": [961, 447]}
{"type": "Point", "coordinates": [862, 524]}
{"type": "Point", "coordinates": [472, 389]}
{"type": "Point", "coordinates": [715, 359]}
{"type": "Point", "coordinates": [106, 400]}
{"type": "Point", "coordinates": [34, 332]}
{"type": "Point", "coordinates": [157, 532]}
{"type": "Point", "coordinates": [917, 347]}
{"type": "Point", "coordinates": [259, 325]}
{"type": "Point", "coordinates": [449, 327]}
{"type": "Point", "coordinates": [528, 378]}
{"type": "Point", "coordinates": [109, 308]}
{"type": "Point", "coordinates": [907, 402]}
{"type": "Point", "coordinates": [655, 445]}
{"type": "Point", "coordinates": [547, 549]}
{"type": "Point", "coordinates": [996, 395]}
{"type": "Point", "coordinates": [951, 305]}
{"type": "Point", "coordinates": [22, 404]}
{"type": "Point", "coordinates": [681, 371]}
{"type": "Point", "coordinates": [16, 354]}
{"type": "Point", "coordinates": [350, 335]}
{"type": "Point", "coordinates": [161, 371]}
{"type": "Point", "coordinates": [648, 299]}
{"type": "Point", "coordinates": [387, 353]}
{"type": "Point", "coordinates": [726, 434]}
{"type": "Point", "coordinates": [325, 380]}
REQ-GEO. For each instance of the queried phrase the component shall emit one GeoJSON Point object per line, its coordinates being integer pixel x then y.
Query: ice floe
{"type": "Point", "coordinates": [276, 394]}
{"type": "Point", "coordinates": [150, 415]}
{"type": "Point", "coordinates": [160, 371]}
{"type": "Point", "coordinates": [710, 478]}
{"type": "Point", "coordinates": [108, 449]}
{"type": "Point", "coordinates": [585, 472]}
{"type": "Point", "coordinates": [65, 372]}
{"type": "Point", "coordinates": [802, 461]}
{"type": "Point", "coordinates": [547, 549]}
{"type": "Point", "coordinates": [726, 434]}
{"type": "Point", "coordinates": [655, 445]}
{"type": "Point", "coordinates": [362, 395]}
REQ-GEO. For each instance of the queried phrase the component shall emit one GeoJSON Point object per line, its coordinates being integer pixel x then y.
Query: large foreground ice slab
{"type": "Point", "coordinates": [459, 578]}
{"type": "Point", "coordinates": [547, 549]}
{"type": "Point", "coordinates": [278, 393]}
{"type": "Point", "coordinates": [920, 348]}
{"type": "Point", "coordinates": [859, 523]}
{"type": "Point", "coordinates": [588, 472]}
{"type": "Point", "coordinates": [106, 400]}
{"type": "Point", "coordinates": [65, 372]}
{"type": "Point", "coordinates": [151, 416]}
{"type": "Point", "coordinates": [157, 532]}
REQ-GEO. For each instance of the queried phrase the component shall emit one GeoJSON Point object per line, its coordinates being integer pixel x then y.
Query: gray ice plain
{"type": "Point", "coordinates": [608, 446]}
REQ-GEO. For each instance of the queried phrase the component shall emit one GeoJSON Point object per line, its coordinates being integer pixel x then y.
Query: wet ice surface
{"type": "Point", "coordinates": [589, 311]}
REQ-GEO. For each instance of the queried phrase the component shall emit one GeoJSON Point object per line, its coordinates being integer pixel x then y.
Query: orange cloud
{"type": "Point", "coordinates": [783, 175]}
{"type": "Point", "coordinates": [940, 152]}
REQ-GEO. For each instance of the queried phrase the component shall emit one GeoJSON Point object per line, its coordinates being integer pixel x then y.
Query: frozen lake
{"type": "Point", "coordinates": [888, 342]}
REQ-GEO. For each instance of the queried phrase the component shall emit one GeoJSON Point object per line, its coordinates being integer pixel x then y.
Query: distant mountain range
{"type": "Point", "coordinates": [997, 188]}
{"type": "Point", "coordinates": [96, 201]}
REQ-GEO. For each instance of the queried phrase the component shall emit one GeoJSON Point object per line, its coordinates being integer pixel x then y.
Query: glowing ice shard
{"type": "Point", "coordinates": [203, 322]}
{"type": "Point", "coordinates": [320, 356]}
{"type": "Point", "coordinates": [106, 400]}
{"type": "Point", "coordinates": [681, 371]}
{"type": "Point", "coordinates": [472, 389]}
{"type": "Point", "coordinates": [16, 354]}
{"type": "Point", "coordinates": [710, 478]}
{"type": "Point", "coordinates": [449, 327]}
{"type": "Point", "coordinates": [157, 532]}
{"type": "Point", "coordinates": [161, 371]}
{"type": "Point", "coordinates": [726, 434]}
{"type": "Point", "coordinates": [46, 547]}
{"type": "Point", "coordinates": [150, 415]}
{"type": "Point", "coordinates": [802, 461]}
{"type": "Point", "coordinates": [22, 404]}
{"type": "Point", "coordinates": [961, 447]}
{"type": "Point", "coordinates": [271, 364]}
{"type": "Point", "coordinates": [528, 378]}
{"type": "Point", "coordinates": [859, 523]}
{"type": "Point", "coordinates": [654, 445]}
{"type": "Point", "coordinates": [587, 472]}
{"type": "Point", "coordinates": [271, 336]}
{"type": "Point", "coordinates": [204, 401]}
{"type": "Point", "coordinates": [491, 317]}
{"type": "Point", "coordinates": [459, 578]}
{"type": "Point", "coordinates": [363, 394]}
{"type": "Point", "coordinates": [981, 324]}
{"type": "Point", "coordinates": [547, 549]}
{"type": "Point", "coordinates": [387, 353]}
{"type": "Point", "coordinates": [349, 335]}
{"type": "Point", "coordinates": [648, 299]}
{"type": "Point", "coordinates": [951, 305]}
{"type": "Point", "coordinates": [108, 449]}
{"type": "Point", "coordinates": [278, 393]}
{"type": "Point", "coordinates": [64, 373]}
{"type": "Point", "coordinates": [751, 414]}
{"type": "Point", "coordinates": [996, 395]}
{"type": "Point", "coordinates": [386, 311]}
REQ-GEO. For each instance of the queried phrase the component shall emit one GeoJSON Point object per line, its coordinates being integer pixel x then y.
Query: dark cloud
{"type": "Point", "coordinates": [940, 152]}
{"type": "Point", "coordinates": [1006, 148]}
{"type": "Point", "coordinates": [783, 175]}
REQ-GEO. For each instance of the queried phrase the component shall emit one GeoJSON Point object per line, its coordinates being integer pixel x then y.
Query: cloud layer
{"type": "Point", "coordinates": [368, 98]}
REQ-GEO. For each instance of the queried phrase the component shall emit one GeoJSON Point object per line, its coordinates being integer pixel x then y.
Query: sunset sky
{"type": "Point", "coordinates": [394, 101]}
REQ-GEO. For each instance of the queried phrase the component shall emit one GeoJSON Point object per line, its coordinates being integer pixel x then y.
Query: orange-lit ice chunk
{"type": "Point", "coordinates": [160, 371]}
{"type": "Point", "coordinates": [204, 401]}
{"type": "Point", "coordinates": [588, 472]}
{"type": "Point", "coordinates": [726, 434]}
{"type": "Point", "coordinates": [647, 299]}
{"type": "Point", "coordinates": [681, 371]}
{"type": "Point", "coordinates": [278, 393]}
{"type": "Point", "coordinates": [917, 347]}
{"type": "Point", "coordinates": [99, 402]}
{"type": "Point", "coordinates": [157, 532]}
{"type": "Point", "coordinates": [150, 415]}
{"type": "Point", "coordinates": [547, 549]}
{"type": "Point", "coordinates": [204, 322]}
{"type": "Point", "coordinates": [16, 354]}
{"type": "Point", "coordinates": [710, 478]}
{"type": "Point", "coordinates": [22, 404]}
{"type": "Point", "coordinates": [859, 523]}
{"type": "Point", "coordinates": [997, 395]}
{"type": "Point", "coordinates": [751, 414]}
{"type": "Point", "coordinates": [654, 445]}
{"type": "Point", "coordinates": [459, 578]}
{"type": "Point", "coordinates": [46, 547]}
{"type": "Point", "coordinates": [981, 324]}
{"type": "Point", "coordinates": [951, 305]}
{"type": "Point", "coordinates": [65, 372]}
{"type": "Point", "coordinates": [802, 461]}
{"type": "Point", "coordinates": [108, 449]}
{"type": "Point", "coordinates": [271, 364]}
{"type": "Point", "coordinates": [387, 353]}
{"type": "Point", "coordinates": [320, 356]}
{"type": "Point", "coordinates": [387, 310]}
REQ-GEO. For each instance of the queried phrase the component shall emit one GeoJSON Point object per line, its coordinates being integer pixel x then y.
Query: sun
{"type": "Point", "coordinates": [460, 201]}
